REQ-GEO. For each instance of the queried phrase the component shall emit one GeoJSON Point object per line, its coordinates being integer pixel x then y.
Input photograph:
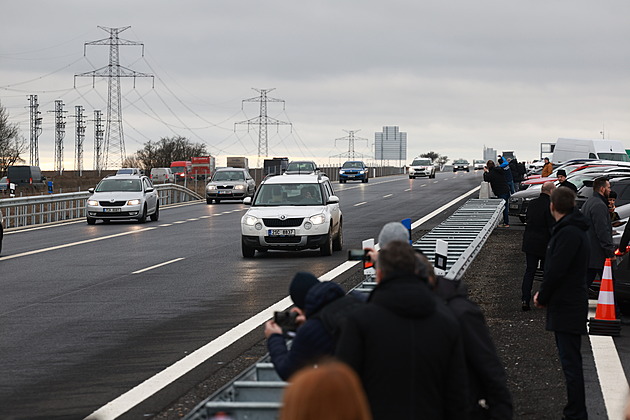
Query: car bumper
{"type": "Point", "coordinates": [290, 243]}
{"type": "Point", "coordinates": [420, 172]}
{"type": "Point", "coordinates": [124, 212]}
{"type": "Point", "coordinates": [348, 176]}
{"type": "Point", "coordinates": [518, 207]}
{"type": "Point", "coordinates": [460, 168]}
{"type": "Point", "coordinates": [231, 195]}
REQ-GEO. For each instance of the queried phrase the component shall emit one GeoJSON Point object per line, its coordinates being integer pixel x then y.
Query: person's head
{"type": "Point", "coordinates": [548, 187]}
{"type": "Point", "coordinates": [331, 390]}
{"type": "Point", "coordinates": [562, 175]}
{"type": "Point", "coordinates": [490, 165]}
{"type": "Point", "coordinates": [299, 287]}
{"type": "Point", "coordinates": [546, 160]}
{"type": "Point", "coordinates": [601, 185]}
{"type": "Point", "coordinates": [397, 258]}
{"type": "Point", "coordinates": [562, 202]}
{"type": "Point", "coordinates": [424, 269]}
{"type": "Point", "coordinates": [392, 231]}
{"type": "Point", "coordinates": [612, 197]}
{"type": "Point", "coordinates": [500, 160]}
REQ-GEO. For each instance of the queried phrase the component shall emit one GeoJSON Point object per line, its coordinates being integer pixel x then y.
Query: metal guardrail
{"type": "Point", "coordinates": [33, 210]}
{"type": "Point", "coordinates": [256, 394]}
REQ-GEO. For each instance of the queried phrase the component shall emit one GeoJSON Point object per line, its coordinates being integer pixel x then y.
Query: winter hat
{"type": "Point", "coordinates": [300, 285]}
{"type": "Point", "coordinates": [393, 231]}
{"type": "Point", "coordinates": [561, 172]}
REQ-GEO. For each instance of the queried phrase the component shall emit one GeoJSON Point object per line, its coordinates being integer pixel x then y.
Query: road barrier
{"type": "Point", "coordinates": [256, 394]}
{"type": "Point", "coordinates": [34, 210]}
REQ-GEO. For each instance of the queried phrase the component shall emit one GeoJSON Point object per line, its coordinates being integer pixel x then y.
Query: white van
{"type": "Point", "coordinates": [162, 175]}
{"type": "Point", "coordinates": [602, 149]}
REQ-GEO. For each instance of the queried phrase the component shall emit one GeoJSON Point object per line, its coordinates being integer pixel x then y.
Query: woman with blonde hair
{"type": "Point", "coordinates": [330, 390]}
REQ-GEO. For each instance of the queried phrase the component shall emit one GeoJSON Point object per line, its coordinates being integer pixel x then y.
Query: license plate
{"type": "Point", "coordinates": [225, 192]}
{"type": "Point", "coordinates": [281, 232]}
{"type": "Point", "coordinates": [514, 206]}
{"type": "Point", "coordinates": [111, 210]}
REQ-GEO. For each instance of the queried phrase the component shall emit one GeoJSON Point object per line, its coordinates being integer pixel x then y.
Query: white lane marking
{"type": "Point", "coordinates": [205, 217]}
{"type": "Point", "coordinates": [157, 265]}
{"type": "Point", "coordinates": [388, 195]}
{"type": "Point", "coordinates": [408, 189]}
{"type": "Point", "coordinates": [193, 219]}
{"type": "Point", "coordinates": [360, 204]}
{"type": "Point", "coordinates": [87, 241]}
{"type": "Point", "coordinates": [435, 182]}
{"type": "Point", "coordinates": [179, 222]}
{"type": "Point", "coordinates": [166, 224]}
{"type": "Point", "coordinates": [423, 185]}
{"type": "Point", "coordinates": [141, 392]}
{"type": "Point", "coordinates": [612, 379]}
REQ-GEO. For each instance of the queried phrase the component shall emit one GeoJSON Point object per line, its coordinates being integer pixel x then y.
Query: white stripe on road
{"type": "Point", "coordinates": [408, 189]}
{"type": "Point", "coordinates": [360, 204]}
{"type": "Point", "coordinates": [157, 266]}
{"type": "Point", "coordinates": [388, 195]}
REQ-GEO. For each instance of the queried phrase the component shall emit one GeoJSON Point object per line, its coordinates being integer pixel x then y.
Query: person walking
{"type": "Point", "coordinates": [547, 168]}
{"type": "Point", "coordinates": [539, 222]}
{"type": "Point", "coordinates": [518, 172]}
{"type": "Point", "coordinates": [563, 182]}
{"type": "Point", "coordinates": [494, 175]}
{"type": "Point", "coordinates": [563, 292]}
{"type": "Point", "coordinates": [595, 209]}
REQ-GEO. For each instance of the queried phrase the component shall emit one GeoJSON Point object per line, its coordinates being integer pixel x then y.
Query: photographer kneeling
{"type": "Point", "coordinates": [320, 306]}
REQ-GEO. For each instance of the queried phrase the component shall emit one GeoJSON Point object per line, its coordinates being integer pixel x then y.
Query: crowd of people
{"type": "Point", "coordinates": [504, 179]}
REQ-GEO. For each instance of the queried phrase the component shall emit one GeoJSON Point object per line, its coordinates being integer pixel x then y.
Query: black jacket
{"type": "Point", "coordinates": [538, 227]}
{"type": "Point", "coordinates": [406, 346]}
{"type": "Point", "coordinates": [600, 233]}
{"type": "Point", "coordinates": [568, 184]}
{"type": "Point", "coordinates": [518, 170]}
{"type": "Point", "coordinates": [497, 181]}
{"type": "Point", "coordinates": [487, 378]}
{"type": "Point", "coordinates": [563, 289]}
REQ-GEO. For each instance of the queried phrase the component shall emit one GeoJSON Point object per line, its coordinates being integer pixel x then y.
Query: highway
{"type": "Point", "coordinates": [89, 312]}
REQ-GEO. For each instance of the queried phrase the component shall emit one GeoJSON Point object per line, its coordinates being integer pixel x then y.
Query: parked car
{"type": "Point", "coordinates": [293, 213]}
{"type": "Point", "coordinates": [4, 184]}
{"type": "Point", "coordinates": [162, 175]}
{"type": "Point", "coordinates": [354, 170]}
{"type": "Point", "coordinates": [301, 167]}
{"type": "Point", "coordinates": [123, 197]}
{"type": "Point", "coordinates": [620, 185]}
{"type": "Point", "coordinates": [421, 167]}
{"type": "Point", "coordinates": [230, 184]}
{"type": "Point", "coordinates": [461, 165]}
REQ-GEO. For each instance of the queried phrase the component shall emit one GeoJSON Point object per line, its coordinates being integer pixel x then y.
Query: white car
{"type": "Point", "coordinates": [479, 164]}
{"type": "Point", "coordinates": [293, 213]}
{"type": "Point", "coordinates": [123, 197]}
{"type": "Point", "coordinates": [421, 167]}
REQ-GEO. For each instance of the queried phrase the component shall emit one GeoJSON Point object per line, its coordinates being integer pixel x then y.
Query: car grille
{"type": "Point", "coordinates": [283, 240]}
{"type": "Point", "coordinates": [294, 222]}
{"type": "Point", "coordinates": [226, 187]}
{"type": "Point", "coordinates": [351, 172]}
{"type": "Point", "coordinates": [110, 204]}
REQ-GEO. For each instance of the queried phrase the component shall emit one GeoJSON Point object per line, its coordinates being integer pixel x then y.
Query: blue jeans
{"type": "Point", "coordinates": [506, 209]}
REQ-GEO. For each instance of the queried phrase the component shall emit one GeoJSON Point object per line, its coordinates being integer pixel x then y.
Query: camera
{"type": "Point", "coordinates": [358, 255]}
{"type": "Point", "coordinates": [287, 320]}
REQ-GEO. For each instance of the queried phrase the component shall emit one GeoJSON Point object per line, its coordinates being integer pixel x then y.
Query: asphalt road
{"type": "Point", "coordinates": [89, 312]}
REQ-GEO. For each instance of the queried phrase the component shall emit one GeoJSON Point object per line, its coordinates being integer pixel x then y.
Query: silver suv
{"type": "Point", "coordinates": [123, 197]}
{"type": "Point", "coordinates": [293, 213]}
{"type": "Point", "coordinates": [230, 184]}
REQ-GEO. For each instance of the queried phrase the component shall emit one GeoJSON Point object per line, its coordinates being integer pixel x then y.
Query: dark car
{"type": "Point", "coordinates": [619, 185]}
{"type": "Point", "coordinates": [4, 184]}
{"type": "Point", "coordinates": [22, 175]}
{"type": "Point", "coordinates": [354, 170]}
{"type": "Point", "coordinates": [230, 184]}
{"type": "Point", "coordinates": [461, 165]}
{"type": "Point", "coordinates": [302, 167]}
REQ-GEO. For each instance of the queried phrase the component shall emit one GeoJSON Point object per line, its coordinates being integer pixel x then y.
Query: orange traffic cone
{"type": "Point", "coordinates": [605, 321]}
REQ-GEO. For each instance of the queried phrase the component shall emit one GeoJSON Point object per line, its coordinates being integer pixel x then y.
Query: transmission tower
{"type": "Point", "coordinates": [350, 138]}
{"type": "Point", "coordinates": [35, 129]}
{"type": "Point", "coordinates": [263, 120]}
{"type": "Point", "coordinates": [98, 140]}
{"type": "Point", "coordinates": [60, 132]}
{"type": "Point", "coordinates": [78, 139]}
{"type": "Point", "coordinates": [114, 138]}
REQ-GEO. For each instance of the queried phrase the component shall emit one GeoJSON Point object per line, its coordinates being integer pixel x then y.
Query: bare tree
{"type": "Point", "coordinates": [167, 150]}
{"type": "Point", "coordinates": [11, 145]}
{"type": "Point", "coordinates": [431, 155]}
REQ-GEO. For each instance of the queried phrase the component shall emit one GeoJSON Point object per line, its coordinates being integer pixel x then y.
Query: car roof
{"type": "Point", "coordinates": [229, 168]}
{"type": "Point", "coordinates": [126, 176]}
{"type": "Point", "coordinates": [295, 179]}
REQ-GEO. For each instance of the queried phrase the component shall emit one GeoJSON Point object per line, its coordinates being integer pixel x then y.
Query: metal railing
{"type": "Point", "coordinates": [34, 210]}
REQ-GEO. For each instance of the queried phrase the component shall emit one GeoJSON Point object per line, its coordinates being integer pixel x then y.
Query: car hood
{"type": "Point", "coordinates": [116, 195]}
{"type": "Point", "coordinates": [532, 192]}
{"type": "Point", "coordinates": [288, 211]}
{"type": "Point", "coordinates": [225, 183]}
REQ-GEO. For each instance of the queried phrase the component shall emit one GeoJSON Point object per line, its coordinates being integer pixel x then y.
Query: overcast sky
{"type": "Point", "coordinates": [453, 75]}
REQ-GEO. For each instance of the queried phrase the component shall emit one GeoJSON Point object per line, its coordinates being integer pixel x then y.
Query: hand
{"type": "Point", "coordinates": [272, 328]}
{"type": "Point", "coordinates": [301, 318]}
{"type": "Point", "coordinates": [372, 254]}
{"type": "Point", "coordinates": [538, 305]}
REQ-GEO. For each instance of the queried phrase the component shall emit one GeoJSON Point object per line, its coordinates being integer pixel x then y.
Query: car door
{"type": "Point", "coordinates": [149, 196]}
{"type": "Point", "coordinates": [251, 184]}
{"type": "Point", "coordinates": [335, 212]}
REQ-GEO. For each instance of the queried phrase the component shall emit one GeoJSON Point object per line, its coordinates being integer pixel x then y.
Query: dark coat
{"type": "Point", "coordinates": [563, 289]}
{"type": "Point", "coordinates": [487, 378]}
{"type": "Point", "coordinates": [600, 233]}
{"type": "Point", "coordinates": [406, 347]}
{"type": "Point", "coordinates": [518, 170]}
{"type": "Point", "coordinates": [538, 227]}
{"type": "Point", "coordinates": [497, 181]}
{"type": "Point", "coordinates": [568, 184]}
{"type": "Point", "coordinates": [312, 340]}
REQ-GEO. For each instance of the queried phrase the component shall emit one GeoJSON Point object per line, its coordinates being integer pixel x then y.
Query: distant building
{"type": "Point", "coordinates": [489, 154]}
{"type": "Point", "coordinates": [391, 144]}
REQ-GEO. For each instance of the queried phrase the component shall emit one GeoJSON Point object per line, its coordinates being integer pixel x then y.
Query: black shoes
{"type": "Point", "coordinates": [525, 306]}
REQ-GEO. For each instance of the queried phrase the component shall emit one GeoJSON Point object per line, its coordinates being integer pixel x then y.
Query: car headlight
{"type": "Point", "coordinates": [211, 187]}
{"type": "Point", "coordinates": [239, 187]}
{"type": "Point", "coordinates": [341, 172]}
{"type": "Point", "coordinates": [92, 203]}
{"type": "Point", "coordinates": [318, 219]}
{"type": "Point", "coordinates": [361, 172]}
{"type": "Point", "coordinates": [250, 220]}
{"type": "Point", "coordinates": [133, 202]}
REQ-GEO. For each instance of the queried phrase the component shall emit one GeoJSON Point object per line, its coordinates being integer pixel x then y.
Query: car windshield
{"type": "Point", "coordinates": [620, 157]}
{"type": "Point", "coordinates": [301, 167]}
{"type": "Point", "coordinates": [289, 195]}
{"type": "Point", "coordinates": [350, 165]}
{"type": "Point", "coordinates": [462, 162]}
{"type": "Point", "coordinates": [108, 185]}
{"type": "Point", "coordinates": [421, 162]}
{"type": "Point", "coordinates": [228, 176]}
{"type": "Point", "coordinates": [177, 169]}
{"type": "Point", "coordinates": [124, 172]}
{"type": "Point", "coordinates": [480, 162]}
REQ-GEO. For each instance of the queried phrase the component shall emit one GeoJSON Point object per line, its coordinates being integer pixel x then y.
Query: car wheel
{"type": "Point", "coordinates": [365, 180]}
{"type": "Point", "coordinates": [342, 181]}
{"type": "Point", "coordinates": [326, 249]}
{"type": "Point", "coordinates": [410, 177]}
{"type": "Point", "coordinates": [156, 215]}
{"type": "Point", "coordinates": [248, 251]}
{"type": "Point", "coordinates": [208, 200]}
{"type": "Point", "coordinates": [143, 216]}
{"type": "Point", "coordinates": [91, 221]}
{"type": "Point", "coordinates": [338, 242]}
{"type": "Point", "coordinates": [216, 200]}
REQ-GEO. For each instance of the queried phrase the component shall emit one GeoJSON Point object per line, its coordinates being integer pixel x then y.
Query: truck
{"type": "Point", "coordinates": [22, 175]}
{"type": "Point", "coordinates": [203, 167]}
{"type": "Point", "coordinates": [602, 149]}
{"type": "Point", "coordinates": [237, 162]}
{"type": "Point", "coordinates": [181, 169]}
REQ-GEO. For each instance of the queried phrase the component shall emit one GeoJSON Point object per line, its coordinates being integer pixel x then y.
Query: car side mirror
{"type": "Point", "coordinates": [150, 190]}
{"type": "Point", "coordinates": [247, 200]}
{"type": "Point", "coordinates": [333, 199]}
{"type": "Point", "coordinates": [91, 190]}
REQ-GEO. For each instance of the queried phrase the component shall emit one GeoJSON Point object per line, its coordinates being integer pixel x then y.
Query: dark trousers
{"type": "Point", "coordinates": [531, 262]}
{"type": "Point", "coordinates": [571, 361]}
{"type": "Point", "coordinates": [506, 209]}
{"type": "Point", "coordinates": [591, 273]}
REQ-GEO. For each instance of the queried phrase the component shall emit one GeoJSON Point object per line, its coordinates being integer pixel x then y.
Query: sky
{"type": "Point", "coordinates": [454, 75]}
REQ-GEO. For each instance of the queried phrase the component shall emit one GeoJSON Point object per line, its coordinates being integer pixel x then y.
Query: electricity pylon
{"type": "Point", "coordinates": [262, 120]}
{"type": "Point", "coordinates": [350, 138]}
{"type": "Point", "coordinates": [98, 140]}
{"type": "Point", "coordinates": [35, 130]}
{"type": "Point", "coordinates": [114, 138]}
{"type": "Point", "coordinates": [78, 139]}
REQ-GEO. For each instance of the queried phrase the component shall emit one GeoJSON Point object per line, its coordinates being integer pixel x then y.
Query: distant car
{"type": "Point", "coordinates": [4, 184]}
{"type": "Point", "coordinates": [479, 164]}
{"type": "Point", "coordinates": [230, 184]}
{"type": "Point", "coordinates": [123, 197]}
{"type": "Point", "coordinates": [461, 165]}
{"type": "Point", "coordinates": [293, 213]}
{"type": "Point", "coordinates": [129, 171]}
{"type": "Point", "coordinates": [421, 167]}
{"type": "Point", "coordinates": [354, 170]}
{"type": "Point", "coordinates": [301, 167]}
{"type": "Point", "coordinates": [162, 175]}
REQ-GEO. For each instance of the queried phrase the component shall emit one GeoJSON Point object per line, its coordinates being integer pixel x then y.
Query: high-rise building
{"type": "Point", "coordinates": [391, 144]}
{"type": "Point", "coordinates": [489, 154]}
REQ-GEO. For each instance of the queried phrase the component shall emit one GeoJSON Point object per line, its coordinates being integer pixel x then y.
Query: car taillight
{"type": "Point", "coordinates": [30, 180]}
